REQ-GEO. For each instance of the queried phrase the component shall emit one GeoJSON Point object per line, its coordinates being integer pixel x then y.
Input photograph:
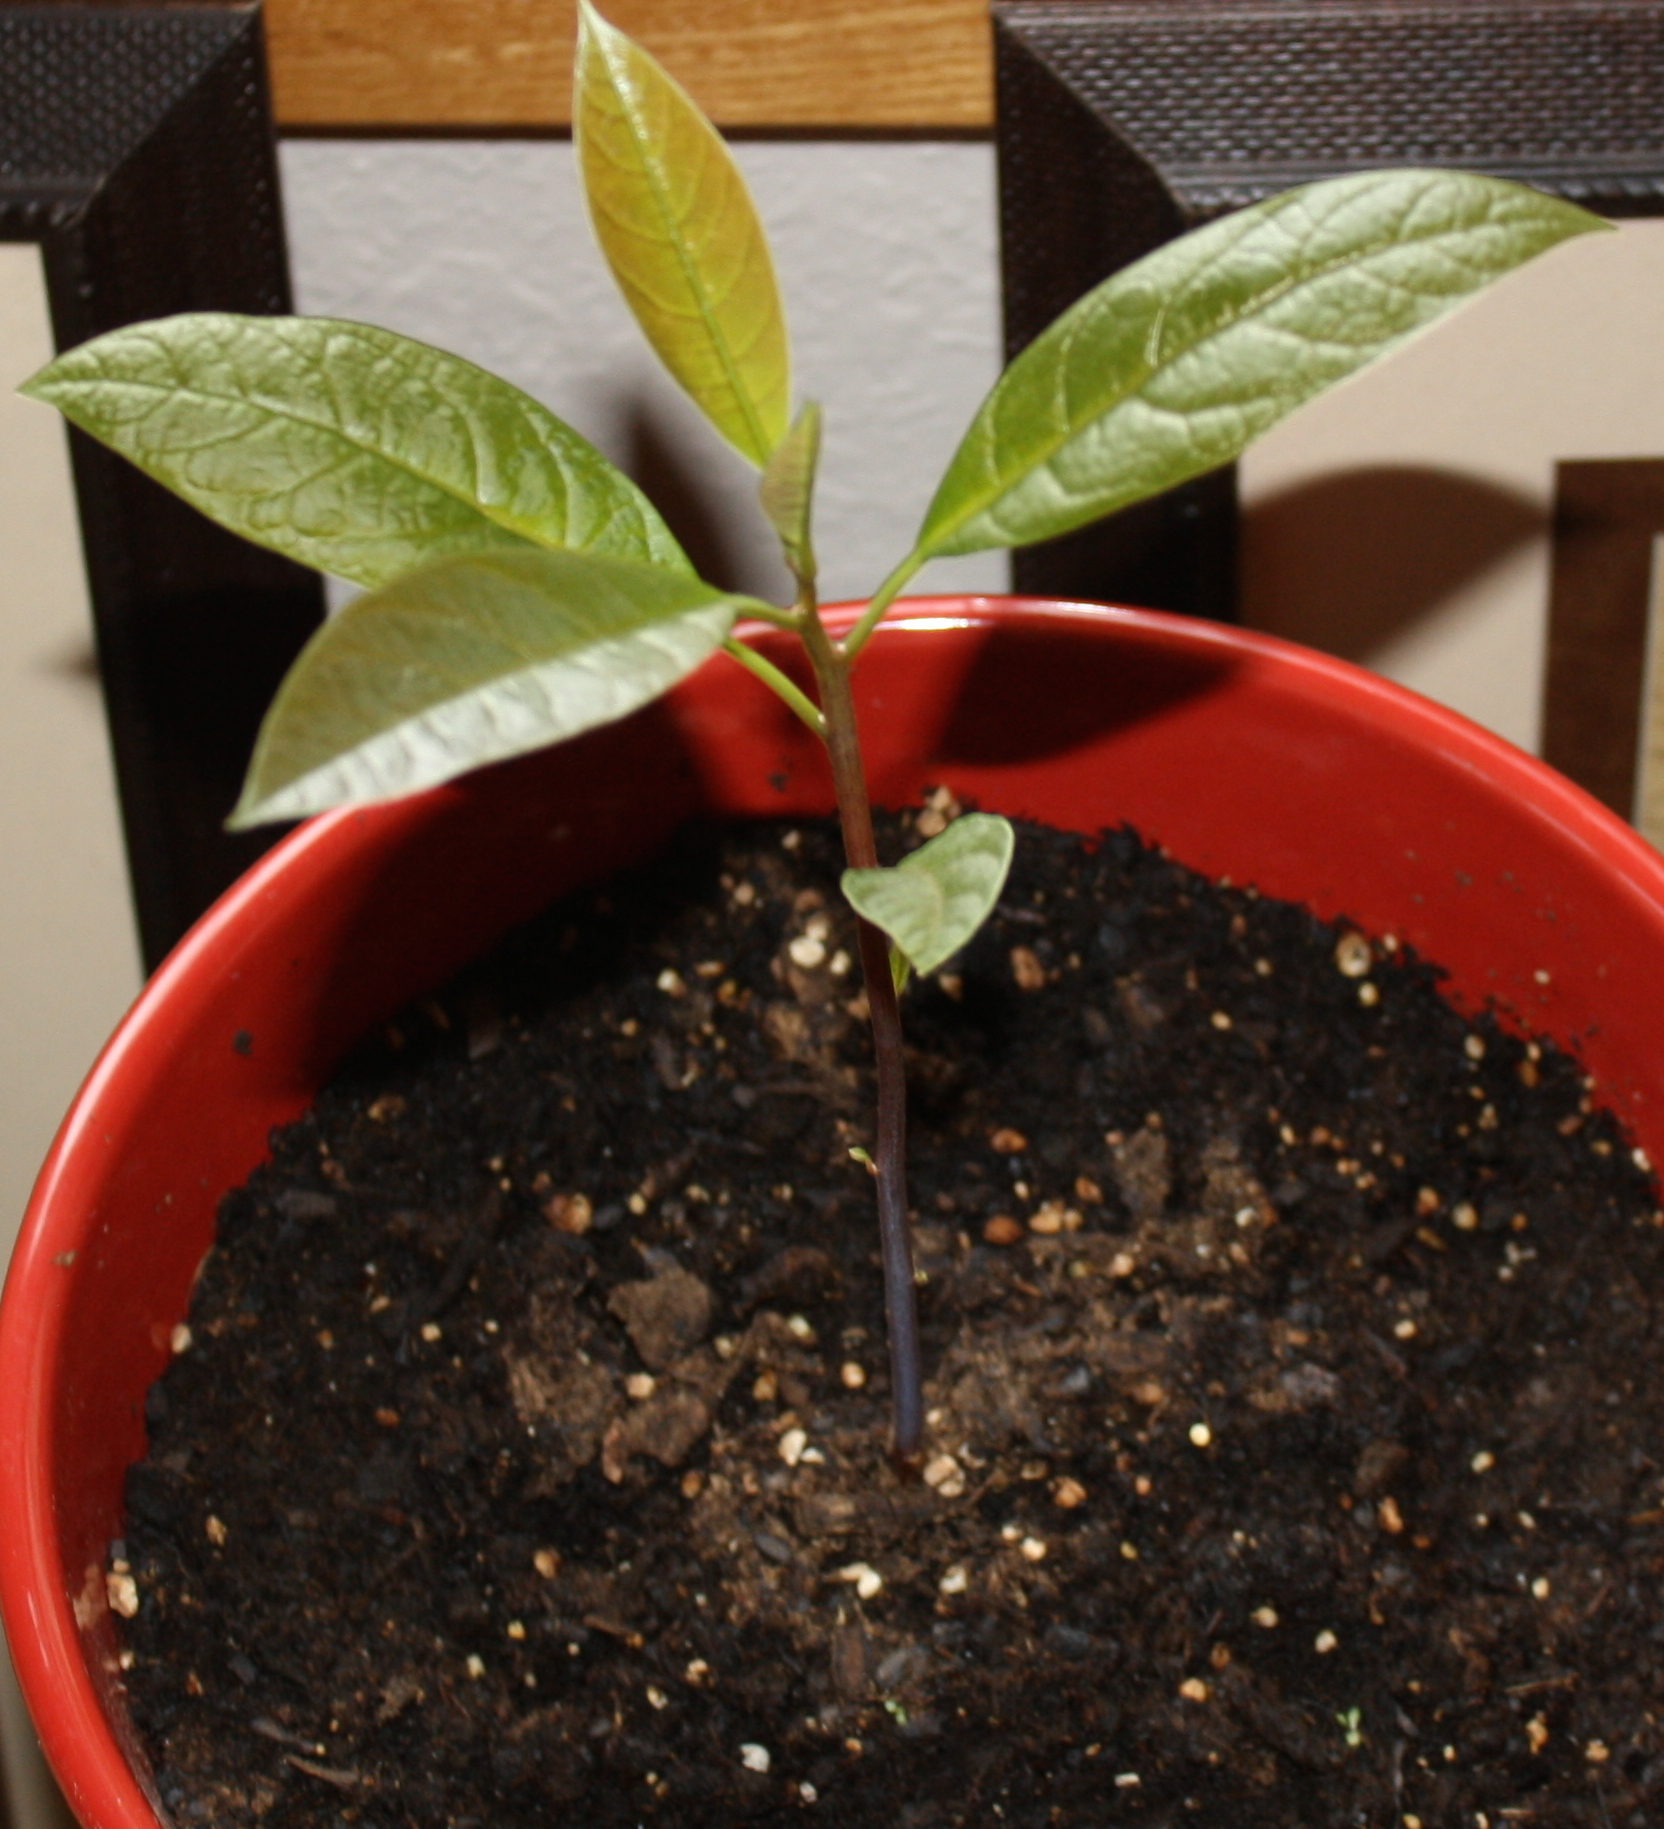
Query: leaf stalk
{"type": "Point", "coordinates": [882, 598]}
{"type": "Point", "coordinates": [773, 677]}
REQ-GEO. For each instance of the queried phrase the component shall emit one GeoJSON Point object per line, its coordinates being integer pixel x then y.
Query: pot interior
{"type": "Point", "coordinates": [1243, 756]}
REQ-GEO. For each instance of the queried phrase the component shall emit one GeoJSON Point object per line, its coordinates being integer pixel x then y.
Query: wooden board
{"type": "Point", "coordinates": [506, 64]}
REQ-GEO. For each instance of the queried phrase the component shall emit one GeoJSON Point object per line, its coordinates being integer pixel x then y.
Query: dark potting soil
{"type": "Point", "coordinates": [1296, 1412]}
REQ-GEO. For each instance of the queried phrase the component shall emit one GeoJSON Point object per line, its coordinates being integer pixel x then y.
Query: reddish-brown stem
{"type": "Point", "coordinates": [843, 745]}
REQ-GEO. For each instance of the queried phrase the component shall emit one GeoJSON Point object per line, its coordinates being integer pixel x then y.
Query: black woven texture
{"type": "Point", "coordinates": [67, 116]}
{"type": "Point", "coordinates": [136, 148]}
{"type": "Point", "coordinates": [1123, 123]}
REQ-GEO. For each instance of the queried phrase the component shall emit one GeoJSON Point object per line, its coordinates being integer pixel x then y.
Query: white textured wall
{"type": "Point", "coordinates": [888, 261]}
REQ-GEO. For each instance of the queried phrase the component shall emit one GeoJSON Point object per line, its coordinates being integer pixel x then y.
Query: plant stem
{"type": "Point", "coordinates": [832, 672]}
{"type": "Point", "coordinates": [755, 609]}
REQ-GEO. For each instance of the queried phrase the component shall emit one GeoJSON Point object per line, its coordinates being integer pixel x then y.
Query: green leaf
{"type": "Point", "coordinates": [1173, 365]}
{"type": "Point", "coordinates": [467, 661]}
{"type": "Point", "coordinates": [681, 235]}
{"type": "Point", "coordinates": [347, 447]}
{"type": "Point", "coordinates": [787, 490]}
{"type": "Point", "coordinates": [939, 895]}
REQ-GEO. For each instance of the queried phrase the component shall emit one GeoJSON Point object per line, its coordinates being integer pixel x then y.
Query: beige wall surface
{"type": "Point", "coordinates": [69, 959]}
{"type": "Point", "coordinates": [1403, 520]}
{"type": "Point", "coordinates": [68, 949]}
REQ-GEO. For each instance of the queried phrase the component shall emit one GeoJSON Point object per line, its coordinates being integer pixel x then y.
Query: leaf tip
{"type": "Point", "coordinates": [41, 383]}
{"type": "Point", "coordinates": [594, 31]}
{"type": "Point", "coordinates": [249, 812]}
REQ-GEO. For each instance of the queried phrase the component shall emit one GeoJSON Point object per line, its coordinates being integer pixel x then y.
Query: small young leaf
{"type": "Point", "coordinates": [939, 895]}
{"type": "Point", "coordinates": [467, 661]}
{"type": "Point", "coordinates": [788, 489]}
{"type": "Point", "coordinates": [347, 447]}
{"type": "Point", "coordinates": [1175, 364]}
{"type": "Point", "coordinates": [680, 232]}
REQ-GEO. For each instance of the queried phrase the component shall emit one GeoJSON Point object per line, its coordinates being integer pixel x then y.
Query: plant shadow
{"type": "Point", "coordinates": [1354, 560]}
{"type": "Point", "coordinates": [659, 464]}
{"type": "Point", "coordinates": [1030, 692]}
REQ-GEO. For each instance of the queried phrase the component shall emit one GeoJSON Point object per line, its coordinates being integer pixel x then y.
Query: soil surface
{"type": "Point", "coordinates": [1296, 1410]}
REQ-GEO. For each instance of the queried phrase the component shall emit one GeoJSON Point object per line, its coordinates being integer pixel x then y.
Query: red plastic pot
{"type": "Point", "coordinates": [1245, 756]}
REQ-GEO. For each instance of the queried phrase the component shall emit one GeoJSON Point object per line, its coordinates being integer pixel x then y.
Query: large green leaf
{"type": "Point", "coordinates": [938, 896]}
{"type": "Point", "coordinates": [681, 234]}
{"type": "Point", "coordinates": [347, 447]}
{"type": "Point", "coordinates": [1172, 366]}
{"type": "Point", "coordinates": [467, 661]}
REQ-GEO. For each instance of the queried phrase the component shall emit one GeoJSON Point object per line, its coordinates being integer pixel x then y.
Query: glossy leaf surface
{"type": "Point", "coordinates": [1174, 365]}
{"type": "Point", "coordinates": [681, 234]}
{"type": "Point", "coordinates": [936, 898]}
{"type": "Point", "coordinates": [787, 489]}
{"type": "Point", "coordinates": [467, 661]}
{"type": "Point", "coordinates": [346, 447]}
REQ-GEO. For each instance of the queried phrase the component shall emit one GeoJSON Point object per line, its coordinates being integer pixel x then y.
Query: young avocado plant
{"type": "Point", "coordinates": [519, 589]}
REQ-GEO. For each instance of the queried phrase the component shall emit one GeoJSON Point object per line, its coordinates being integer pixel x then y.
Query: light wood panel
{"type": "Point", "coordinates": [506, 64]}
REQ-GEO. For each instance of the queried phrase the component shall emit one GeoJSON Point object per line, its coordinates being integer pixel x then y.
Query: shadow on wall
{"type": "Point", "coordinates": [1354, 560]}
{"type": "Point", "coordinates": [662, 465]}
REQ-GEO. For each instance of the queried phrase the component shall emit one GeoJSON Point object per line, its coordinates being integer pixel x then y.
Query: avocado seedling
{"type": "Point", "coordinates": [519, 589]}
